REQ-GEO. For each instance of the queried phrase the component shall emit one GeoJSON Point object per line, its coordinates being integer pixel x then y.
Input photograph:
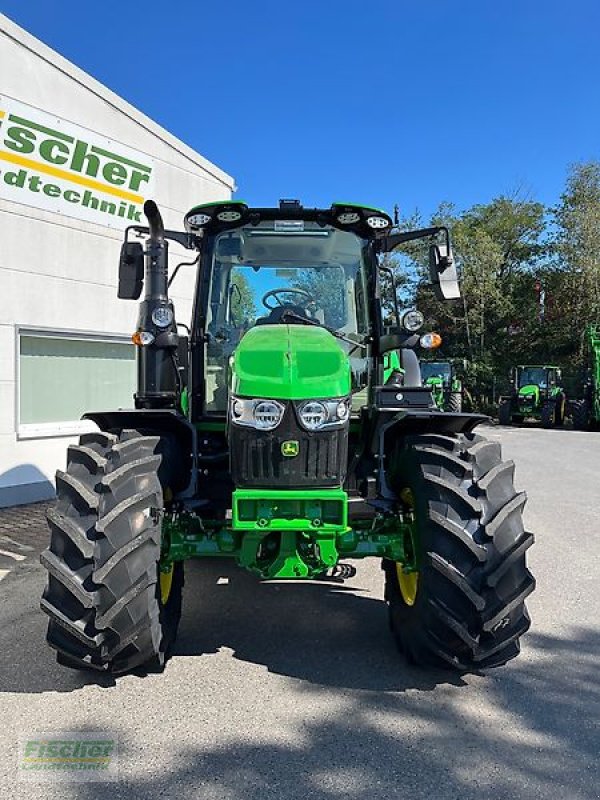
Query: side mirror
{"type": "Point", "coordinates": [442, 271]}
{"type": "Point", "coordinates": [232, 246]}
{"type": "Point", "coordinates": [131, 271]}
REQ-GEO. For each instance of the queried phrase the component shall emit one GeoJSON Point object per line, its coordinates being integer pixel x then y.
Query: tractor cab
{"type": "Point", "coordinates": [436, 373]}
{"type": "Point", "coordinates": [535, 384]}
{"type": "Point", "coordinates": [276, 276]}
{"type": "Point", "coordinates": [543, 378]}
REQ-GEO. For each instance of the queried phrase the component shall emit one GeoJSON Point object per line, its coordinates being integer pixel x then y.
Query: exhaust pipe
{"type": "Point", "coordinates": [155, 222]}
{"type": "Point", "coordinates": [157, 377]}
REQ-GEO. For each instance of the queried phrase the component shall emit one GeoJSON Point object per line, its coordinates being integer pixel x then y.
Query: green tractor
{"type": "Point", "coordinates": [536, 393]}
{"type": "Point", "coordinates": [267, 434]}
{"type": "Point", "coordinates": [446, 386]}
{"type": "Point", "coordinates": [586, 411]}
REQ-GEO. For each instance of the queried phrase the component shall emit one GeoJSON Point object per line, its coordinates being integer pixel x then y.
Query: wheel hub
{"type": "Point", "coordinates": [166, 583]}
{"type": "Point", "coordinates": [407, 573]}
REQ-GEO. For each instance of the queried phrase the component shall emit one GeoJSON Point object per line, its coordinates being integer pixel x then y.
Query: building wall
{"type": "Point", "coordinates": [58, 273]}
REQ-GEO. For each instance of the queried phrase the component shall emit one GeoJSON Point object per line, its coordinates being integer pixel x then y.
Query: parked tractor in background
{"type": "Point", "coordinates": [272, 435]}
{"type": "Point", "coordinates": [446, 387]}
{"type": "Point", "coordinates": [536, 393]}
{"type": "Point", "coordinates": [586, 411]}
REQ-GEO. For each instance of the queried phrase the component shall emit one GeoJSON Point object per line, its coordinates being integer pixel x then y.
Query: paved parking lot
{"type": "Point", "coordinates": [22, 535]}
{"type": "Point", "coordinates": [296, 690]}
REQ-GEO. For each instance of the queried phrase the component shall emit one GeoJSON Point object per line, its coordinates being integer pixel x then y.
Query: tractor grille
{"type": "Point", "coordinates": [257, 460]}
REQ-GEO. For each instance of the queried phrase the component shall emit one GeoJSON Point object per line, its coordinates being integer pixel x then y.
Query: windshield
{"type": "Point", "coordinates": [435, 369]}
{"type": "Point", "coordinates": [282, 272]}
{"type": "Point", "coordinates": [533, 376]}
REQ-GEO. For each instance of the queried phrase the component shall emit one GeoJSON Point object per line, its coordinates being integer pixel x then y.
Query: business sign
{"type": "Point", "coordinates": [47, 162]}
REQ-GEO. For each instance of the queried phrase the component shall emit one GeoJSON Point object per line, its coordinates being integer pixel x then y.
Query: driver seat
{"type": "Point", "coordinates": [274, 318]}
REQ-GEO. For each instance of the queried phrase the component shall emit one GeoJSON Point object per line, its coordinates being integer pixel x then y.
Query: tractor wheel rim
{"type": "Point", "coordinates": [166, 583]}
{"type": "Point", "coordinates": [408, 582]}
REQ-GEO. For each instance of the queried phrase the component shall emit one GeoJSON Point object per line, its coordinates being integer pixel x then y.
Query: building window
{"type": "Point", "coordinates": [62, 376]}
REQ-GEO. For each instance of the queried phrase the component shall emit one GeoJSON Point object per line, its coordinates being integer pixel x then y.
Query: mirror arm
{"type": "Point", "coordinates": [190, 241]}
{"type": "Point", "coordinates": [396, 239]}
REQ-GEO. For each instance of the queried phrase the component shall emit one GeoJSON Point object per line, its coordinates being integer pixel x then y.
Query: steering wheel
{"type": "Point", "coordinates": [285, 290]}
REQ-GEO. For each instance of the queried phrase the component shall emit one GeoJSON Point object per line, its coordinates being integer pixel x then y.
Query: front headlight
{"type": "Point", "coordinates": [265, 415]}
{"type": "Point", "coordinates": [413, 321]}
{"type": "Point", "coordinates": [316, 415]}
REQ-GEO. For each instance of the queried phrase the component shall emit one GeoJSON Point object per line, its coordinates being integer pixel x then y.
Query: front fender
{"type": "Point", "coordinates": [178, 446]}
{"type": "Point", "coordinates": [410, 421]}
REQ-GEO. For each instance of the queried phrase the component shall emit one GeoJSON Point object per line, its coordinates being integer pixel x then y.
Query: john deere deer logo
{"type": "Point", "coordinates": [290, 448]}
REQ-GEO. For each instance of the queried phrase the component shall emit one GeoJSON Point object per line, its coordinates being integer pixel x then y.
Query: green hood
{"type": "Point", "coordinates": [530, 389]}
{"type": "Point", "coordinates": [290, 362]}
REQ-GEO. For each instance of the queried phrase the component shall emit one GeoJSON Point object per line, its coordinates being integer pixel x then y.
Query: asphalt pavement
{"type": "Point", "coordinates": [297, 691]}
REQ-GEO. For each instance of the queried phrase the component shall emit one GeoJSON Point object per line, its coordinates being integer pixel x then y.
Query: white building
{"type": "Point", "coordinates": [76, 164]}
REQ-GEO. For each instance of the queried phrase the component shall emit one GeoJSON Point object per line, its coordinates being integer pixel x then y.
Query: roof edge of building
{"type": "Point", "coordinates": [52, 57]}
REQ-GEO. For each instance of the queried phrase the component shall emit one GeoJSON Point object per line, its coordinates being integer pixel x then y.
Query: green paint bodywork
{"type": "Point", "coordinates": [184, 402]}
{"type": "Point", "coordinates": [290, 362]}
{"type": "Point", "coordinates": [285, 534]}
{"type": "Point", "coordinates": [437, 391]}
{"type": "Point", "coordinates": [391, 363]}
{"type": "Point", "coordinates": [529, 397]}
{"type": "Point", "coordinates": [360, 207]}
{"type": "Point", "coordinates": [217, 425]}
{"type": "Point", "coordinates": [290, 509]}
{"type": "Point", "coordinates": [216, 204]}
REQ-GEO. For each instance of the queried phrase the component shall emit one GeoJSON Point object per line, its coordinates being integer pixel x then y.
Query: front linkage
{"type": "Point", "coordinates": [286, 534]}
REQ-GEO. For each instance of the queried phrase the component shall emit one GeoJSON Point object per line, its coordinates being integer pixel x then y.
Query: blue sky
{"type": "Point", "coordinates": [381, 102]}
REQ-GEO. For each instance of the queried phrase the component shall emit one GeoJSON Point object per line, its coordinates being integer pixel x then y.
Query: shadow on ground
{"type": "Point", "coordinates": [528, 730]}
{"type": "Point", "coordinates": [320, 632]}
{"type": "Point", "coordinates": [538, 738]}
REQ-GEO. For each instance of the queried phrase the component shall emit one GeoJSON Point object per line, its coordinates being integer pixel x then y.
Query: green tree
{"type": "Point", "coordinates": [496, 246]}
{"type": "Point", "coordinates": [243, 306]}
{"type": "Point", "coordinates": [493, 245]}
{"type": "Point", "coordinates": [577, 248]}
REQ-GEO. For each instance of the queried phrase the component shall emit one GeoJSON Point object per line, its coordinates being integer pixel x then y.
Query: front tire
{"type": "Point", "coordinates": [580, 411]}
{"type": "Point", "coordinates": [549, 414]}
{"type": "Point", "coordinates": [454, 404]}
{"type": "Point", "coordinates": [561, 409]}
{"type": "Point", "coordinates": [505, 413]}
{"type": "Point", "coordinates": [468, 609]}
{"type": "Point", "coordinates": [104, 590]}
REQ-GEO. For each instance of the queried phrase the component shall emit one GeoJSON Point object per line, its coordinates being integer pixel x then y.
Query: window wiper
{"type": "Point", "coordinates": [332, 331]}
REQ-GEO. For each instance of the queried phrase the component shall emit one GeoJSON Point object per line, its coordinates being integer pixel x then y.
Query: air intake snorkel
{"type": "Point", "coordinates": [156, 364]}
